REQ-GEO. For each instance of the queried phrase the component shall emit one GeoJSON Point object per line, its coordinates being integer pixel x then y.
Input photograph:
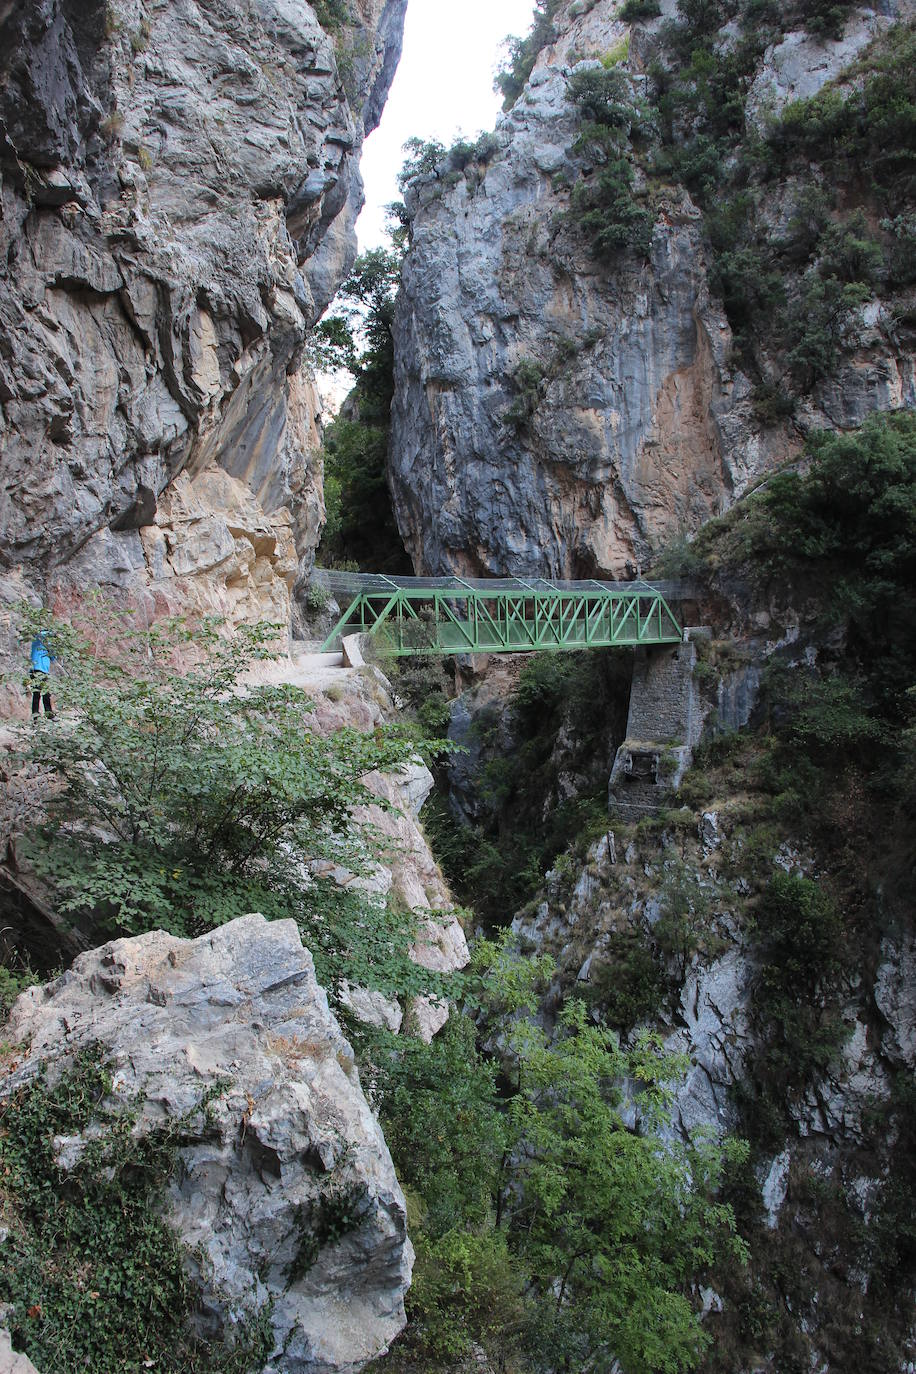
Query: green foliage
{"type": "Point", "coordinates": [522, 53]}
{"type": "Point", "coordinates": [604, 204]}
{"type": "Point", "coordinates": [901, 261]}
{"type": "Point", "coordinates": [825, 719]}
{"type": "Point", "coordinates": [634, 10]}
{"type": "Point", "coordinates": [184, 801]}
{"type": "Point", "coordinates": [317, 597]}
{"type": "Point", "coordinates": [793, 1000]}
{"type": "Point", "coordinates": [819, 325]}
{"type": "Point", "coordinates": [336, 1212]}
{"type": "Point", "coordinates": [870, 127]}
{"type": "Point", "coordinates": [529, 380]}
{"type": "Point", "coordinates": [332, 15]}
{"type": "Point", "coordinates": [94, 1275]}
{"type": "Point", "coordinates": [360, 524]}
{"type": "Point", "coordinates": [677, 559]}
{"type": "Point", "coordinates": [851, 525]}
{"type": "Point", "coordinates": [12, 982]}
{"type": "Point", "coordinates": [611, 1222]}
{"type": "Point", "coordinates": [423, 157]}
{"type": "Point", "coordinates": [792, 299]}
{"type": "Point", "coordinates": [548, 1232]}
{"type": "Point", "coordinates": [629, 985]}
{"type": "Point", "coordinates": [498, 865]}
{"type": "Point", "coordinates": [888, 1242]}
{"type": "Point", "coordinates": [608, 212]}
{"type": "Point", "coordinates": [468, 1289]}
{"type": "Point", "coordinates": [826, 18]}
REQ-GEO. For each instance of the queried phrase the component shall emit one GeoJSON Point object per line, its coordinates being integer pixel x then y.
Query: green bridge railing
{"type": "Point", "coordinates": [454, 615]}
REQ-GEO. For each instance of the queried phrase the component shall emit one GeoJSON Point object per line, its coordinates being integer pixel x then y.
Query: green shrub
{"type": "Point", "coordinates": [604, 204]}
{"type": "Point", "coordinates": [872, 126]}
{"type": "Point", "coordinates": [849, 524]}
{"type": "Point", "coordinates": [183, 803]}
{"type": "Point", "coordinates": [467, 1289]}
{"type": "Point", "coordinates": [794, 999]}
{"type": "Point", "coordinates": [522, 53]}
{"type": "Point", "coordinates": [332, 15]}
{"type": "Point", "coordinates": [529, 379]}
{"type": "Point", "coordinates": [94, 1276]}
{"type": "Point", "coordinates": [12, 982]}
{"type": "Point", "coordinates": [901, 257]}
{"type": "Point", "coordinates": [609, 214]}
{"type": "Point", "coordinates": [629, 984]}
{"type": "Point", "coordinates": [317, 598]}
{"type": "Point", "coordinates": [634, 10]}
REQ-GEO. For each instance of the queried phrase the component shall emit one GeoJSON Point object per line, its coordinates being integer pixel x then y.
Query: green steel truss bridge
{"type": "Point", "coordinates": [454, 615]}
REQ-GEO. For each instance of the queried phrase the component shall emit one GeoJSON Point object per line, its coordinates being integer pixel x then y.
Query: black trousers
{"type": "Point", "coordinates": [39, 689]}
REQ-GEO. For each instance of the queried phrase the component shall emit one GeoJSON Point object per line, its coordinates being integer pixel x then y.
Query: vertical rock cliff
{"type": "Point", "coordinates": [179, 188]}
{"type": "Point", "coordinates": [561, 410]}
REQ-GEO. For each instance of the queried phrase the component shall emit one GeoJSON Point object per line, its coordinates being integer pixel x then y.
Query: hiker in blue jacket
{"type": "Point", "coordinates": [41, 659]}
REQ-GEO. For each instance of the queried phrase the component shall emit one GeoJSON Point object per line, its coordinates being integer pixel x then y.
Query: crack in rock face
{"type": "Point", "coordinates": [239, 1010]}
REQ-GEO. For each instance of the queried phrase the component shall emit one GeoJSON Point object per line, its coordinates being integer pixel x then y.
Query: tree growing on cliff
{"type": "Point", "coordinates": [552, 1231]}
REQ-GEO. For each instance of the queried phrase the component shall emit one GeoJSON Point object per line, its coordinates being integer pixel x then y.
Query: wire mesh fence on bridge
{"type": "Point", "coordinates": [454, 615]}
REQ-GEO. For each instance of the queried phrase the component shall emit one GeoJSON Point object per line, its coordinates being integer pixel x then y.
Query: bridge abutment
{"type": "Point", "coordinates": [664, 725]}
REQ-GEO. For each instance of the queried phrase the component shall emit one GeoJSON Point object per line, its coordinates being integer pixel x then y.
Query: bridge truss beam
{"type": "Point", "coordinates": [473, 619]}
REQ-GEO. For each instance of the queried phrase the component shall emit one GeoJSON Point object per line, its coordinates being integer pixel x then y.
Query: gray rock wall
{"type": "Point", "coordinates": [178, 185]}
{"type": "Point", "coordinates": [642, 424]}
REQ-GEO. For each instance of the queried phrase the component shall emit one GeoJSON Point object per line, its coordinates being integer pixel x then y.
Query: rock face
{"type": "Point", "coordinates": [561, 416]}
{"type": "Point", "coordinates": [292, 1127]}
{"type": "Point", "coordinates": [179, 188]}
{"type": "Point", "coordinates": [640, 426]}
{"type": "Point", "coordinates": [10, 1362]}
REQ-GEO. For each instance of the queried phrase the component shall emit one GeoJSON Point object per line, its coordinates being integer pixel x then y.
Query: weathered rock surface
{"type": "Point", "coordinates": [641, 425]}
{"type": "Point", "coordinates": [802, 63]}
{"type": "Point", "coordinates": [401, 865]}
{"type": "Point", "coordinates": [10, 1362]}
{"type": "Point", "coordinates": [242, 1005]}
{"type": "Point", "coordinates": [179, 185]}
{"type": "Point", "coordinates": [635, 422]}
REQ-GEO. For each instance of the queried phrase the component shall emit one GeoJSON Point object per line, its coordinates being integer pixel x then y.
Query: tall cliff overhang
{"type": "Point", "coordinates": [179, 189]}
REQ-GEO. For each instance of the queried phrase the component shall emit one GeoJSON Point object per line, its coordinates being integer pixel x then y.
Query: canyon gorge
{"type": "Point", "coordinates": [520, 1014]}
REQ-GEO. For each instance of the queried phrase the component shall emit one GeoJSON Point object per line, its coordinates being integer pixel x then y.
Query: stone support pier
{"type": "Point", "coordinates": [663, 726]}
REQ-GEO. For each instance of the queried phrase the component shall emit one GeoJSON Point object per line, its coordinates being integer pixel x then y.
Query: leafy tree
{"type": "Point", "coordinates": [360, 526]}
{"type": "Point", "coordinates": [522, 53]}
{"type": "Point", "coordinates": [184, 798]}
{"type": "Point", "coordinates": [423, 157]}
{"type": "Point", "coordinates": [549, 1228]}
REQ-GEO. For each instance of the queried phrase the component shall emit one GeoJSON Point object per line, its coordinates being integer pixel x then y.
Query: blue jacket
{"type": "Point", "coordinates": [41, 656]}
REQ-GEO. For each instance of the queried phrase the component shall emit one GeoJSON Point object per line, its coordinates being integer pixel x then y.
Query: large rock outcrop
{"type": "Point", "coordinates": [179, 186]}
{"type": "Point", "coordinates": [241, 1007]}
{"type": "Point", "coordinates": [563, 416]}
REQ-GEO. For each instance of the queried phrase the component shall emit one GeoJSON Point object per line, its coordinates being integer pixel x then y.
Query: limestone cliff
{"type": "Point", "coordinates": [179, 188]}
{"type": "Point", "coordinates": [562, 413]}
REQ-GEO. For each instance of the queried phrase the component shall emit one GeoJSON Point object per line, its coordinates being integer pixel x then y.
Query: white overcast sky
{"type": "Point", "coordinates": [443, 87]}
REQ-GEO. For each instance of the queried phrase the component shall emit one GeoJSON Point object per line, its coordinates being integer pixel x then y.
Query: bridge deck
{"type": "Point", "coordinates": [453, 615]}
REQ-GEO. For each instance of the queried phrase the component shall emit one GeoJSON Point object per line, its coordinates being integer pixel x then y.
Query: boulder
{"type": "Point", "coordinates": [240, 1007]}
